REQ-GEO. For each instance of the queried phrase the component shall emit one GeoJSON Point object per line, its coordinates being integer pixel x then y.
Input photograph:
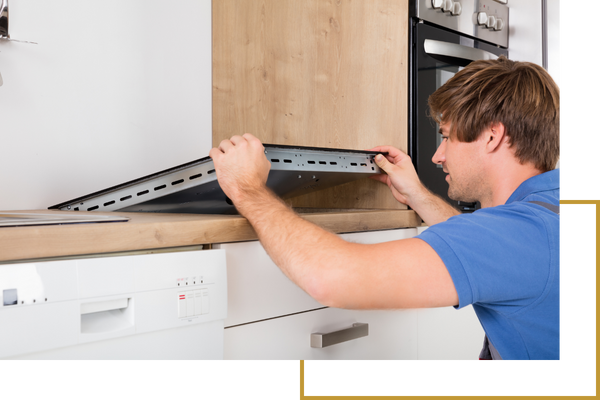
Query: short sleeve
{"type": "Point", "coordinates": [496, 256]}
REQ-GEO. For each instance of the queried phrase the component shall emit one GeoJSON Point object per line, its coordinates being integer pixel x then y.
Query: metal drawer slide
{"type": "Point", "coordinates": [193, 187]}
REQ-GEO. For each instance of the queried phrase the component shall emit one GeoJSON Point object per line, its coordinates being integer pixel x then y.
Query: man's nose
{"type": "Point", "coordinates": [440, 154]}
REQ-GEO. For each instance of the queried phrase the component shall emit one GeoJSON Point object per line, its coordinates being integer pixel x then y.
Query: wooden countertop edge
{"type": "Point", "coordinates": [145, 231]}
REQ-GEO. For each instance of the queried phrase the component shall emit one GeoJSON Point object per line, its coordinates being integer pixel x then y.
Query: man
{"type": "Point", "coordinates": [500, 124]}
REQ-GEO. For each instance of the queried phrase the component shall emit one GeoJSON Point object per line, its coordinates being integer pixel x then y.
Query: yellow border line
{"type": "Point", "coordinates": [302, 374]}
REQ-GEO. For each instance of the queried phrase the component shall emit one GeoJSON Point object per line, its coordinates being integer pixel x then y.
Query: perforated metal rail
{"type": "Point", "coordinates": [193, 187]}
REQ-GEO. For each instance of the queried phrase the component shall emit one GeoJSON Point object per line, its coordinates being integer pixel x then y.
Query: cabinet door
{"type": "Point", "coordinates": [269, 317]}
{"type": "Point", "coordinates": [314, 73]}
{"type": "Point", "coordinates": [427, 334]}
{"type": "Point", "coordinates": [257, 289]}
{"type": "Point", "coordinates": [449, 334]}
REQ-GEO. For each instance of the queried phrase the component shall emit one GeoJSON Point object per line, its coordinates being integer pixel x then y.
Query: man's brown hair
{"type": "Point", "coordinates": [520, 95]}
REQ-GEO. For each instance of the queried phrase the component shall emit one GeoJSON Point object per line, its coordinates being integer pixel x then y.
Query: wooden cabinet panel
{"type": "Point", "coordinates": [314, 73]}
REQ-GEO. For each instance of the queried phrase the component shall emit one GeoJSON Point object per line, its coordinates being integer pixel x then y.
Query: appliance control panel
{"type": "Point", "coordinates": [193, 303]}
{"type": "Point", "coordinates": [481, 19]}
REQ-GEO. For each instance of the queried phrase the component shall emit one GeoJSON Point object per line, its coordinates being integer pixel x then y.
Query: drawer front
{"type": "Point", "coordinates": [257, 289]}
{"type": "Point", "coordinates": [424, 334]}
{"type": "Point", "coordinates": [392, 335]}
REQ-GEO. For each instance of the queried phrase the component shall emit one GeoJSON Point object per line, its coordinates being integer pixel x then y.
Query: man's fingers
{"type": "Point", "coordinates": [380, 177]}
{"type": "Point", "coordinates": [215, 153]}
{"type": "Point", "coordinates": [253, 141]}
{"type": "Point", "coordinates": [225, 145]}
{"type": "Point", "coordinates": [382, 162]}
{"type": "Point", "coordinates": [391, 150]}
{"type": "Point", "coordinates": [250, 137]}
{"type": "Point", "coordinates": [236, 140]}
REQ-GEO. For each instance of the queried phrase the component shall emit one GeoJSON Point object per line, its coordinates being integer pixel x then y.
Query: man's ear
{"type": "Point", "coordinates": [495, 136]}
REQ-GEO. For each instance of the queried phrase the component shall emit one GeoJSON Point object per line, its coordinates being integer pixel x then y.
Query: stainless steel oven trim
{"type": "Point", "coordinates": [436, 47]}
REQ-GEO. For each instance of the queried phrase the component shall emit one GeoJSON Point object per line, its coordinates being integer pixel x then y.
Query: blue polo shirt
{"type": "Point", "coordinates": [504, 260]}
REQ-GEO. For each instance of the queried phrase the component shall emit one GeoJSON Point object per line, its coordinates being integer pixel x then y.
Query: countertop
{"type": "Point", "coordinates": [146, 231]}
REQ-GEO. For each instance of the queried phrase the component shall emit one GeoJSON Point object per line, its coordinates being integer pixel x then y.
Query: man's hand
{"type": "Point", "coordinates": [241, 165]}
{"type": "Point", "coordinates": [403, 181]}
{"type": "Point", "coordinates": [401, 178]}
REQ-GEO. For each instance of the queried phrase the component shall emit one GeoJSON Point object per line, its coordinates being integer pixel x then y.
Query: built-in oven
{"type": "Point", "coordinates": [445, 36]}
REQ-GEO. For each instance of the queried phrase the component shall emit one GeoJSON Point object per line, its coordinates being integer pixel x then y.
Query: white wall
{"type": "Point", "coordinates": [525, 33]}
{"type": "Point", "coordinates": [554, 40]}
{"type": "Point", "coordinates": [525, 30]}
{"type": "Point", "coordinates": [113, 90]}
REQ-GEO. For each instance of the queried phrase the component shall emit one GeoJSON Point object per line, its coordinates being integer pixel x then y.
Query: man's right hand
{"type": "Point", "coordinates": [242, 167]}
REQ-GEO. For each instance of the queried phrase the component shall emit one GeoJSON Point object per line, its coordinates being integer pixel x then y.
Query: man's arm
{"type": "Point", "coordinates": [400, 274]}
{"type": "Point", "coordinates": [403, 181]}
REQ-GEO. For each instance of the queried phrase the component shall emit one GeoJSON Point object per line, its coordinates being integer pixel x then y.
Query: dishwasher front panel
{"type": "Point", "coordinates": [107, 307]}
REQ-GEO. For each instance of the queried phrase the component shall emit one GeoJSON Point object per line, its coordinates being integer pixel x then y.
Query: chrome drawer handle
{"type": "Point", "coordinates": [319, 340]}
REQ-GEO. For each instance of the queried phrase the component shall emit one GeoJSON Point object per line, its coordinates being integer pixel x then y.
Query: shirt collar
{"type": "Point", "coordinates": [540, 183]}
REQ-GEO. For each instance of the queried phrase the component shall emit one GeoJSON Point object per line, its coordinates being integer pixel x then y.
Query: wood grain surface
{"type": "Point", "coordinates": [314, 73]}
{"type": "Point", "coordinates": [158, 231]}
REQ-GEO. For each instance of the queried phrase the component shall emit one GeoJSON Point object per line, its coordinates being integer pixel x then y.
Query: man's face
{"type": "Point", "coordinates": [461, 162]}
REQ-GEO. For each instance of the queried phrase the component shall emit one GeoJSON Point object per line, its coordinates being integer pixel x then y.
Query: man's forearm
{"type": "Point", "coordinates": [304, 252]}
{"type": "Point", "coordinates": [431, 208]}
{"type": "Point", "coordinates": [390, 275]}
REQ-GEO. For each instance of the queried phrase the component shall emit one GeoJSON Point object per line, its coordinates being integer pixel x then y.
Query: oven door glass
{"type": "Point", "coordinates": [437, 56]}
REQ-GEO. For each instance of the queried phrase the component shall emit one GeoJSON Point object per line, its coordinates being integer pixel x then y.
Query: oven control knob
{"type": "Point", "coordinates": [456, 9]}
{"type": "Point", "coordinates": [499, 24]}
{"type": "Point", "coordinates": [448, 5]}
{"type": "Point", "coordinates": [482, 18]}
{"type": "Point", "coordinates": [491, 22]}
{"type": "Point", "coordinates": [437, 4]}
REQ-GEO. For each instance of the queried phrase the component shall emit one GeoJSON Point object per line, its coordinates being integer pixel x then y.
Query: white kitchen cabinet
{"type": "Point", "coordinates": [392, 335]}
{"type": "Point", "coordinates": [257, 289]}
{"type": "Point", "coordinates": [449, 334]}
{"type": "Point", "coordinates": [269, 317]}
{"type": "Point", "coordinates": [427, 334]}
